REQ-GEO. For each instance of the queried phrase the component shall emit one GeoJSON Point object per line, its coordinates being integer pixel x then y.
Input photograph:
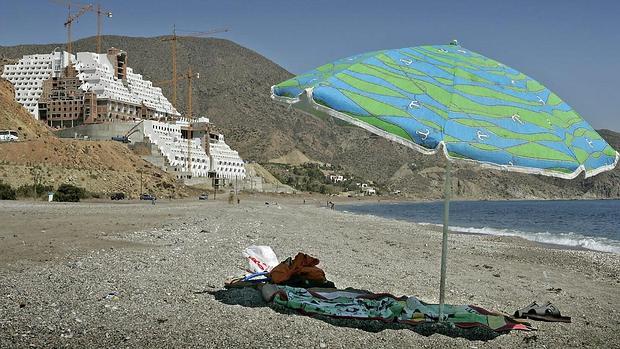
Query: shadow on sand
{"type": "Point", "coordinates": [249, 297]}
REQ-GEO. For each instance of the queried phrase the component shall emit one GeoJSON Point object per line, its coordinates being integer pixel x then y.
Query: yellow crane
{"type": "Point", "coordinates": [99, 11]}
{"type": "Point", "coordinates": [189, 116]}
{"type": "Point", "coordinates": [173, 48]}
{"type": "Point", "coordinates": [71, 17]}
{"type": "Point", "coordinates": [189, 76]}
{"type": "Point", "coordinates": [82, 9]}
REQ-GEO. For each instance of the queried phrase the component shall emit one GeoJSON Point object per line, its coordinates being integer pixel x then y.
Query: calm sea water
{"type": "Point", "coordinates": [592, 224]}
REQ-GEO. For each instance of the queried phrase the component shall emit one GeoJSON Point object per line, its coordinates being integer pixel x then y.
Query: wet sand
{"type": "Point", "coordinates": [165, 265]}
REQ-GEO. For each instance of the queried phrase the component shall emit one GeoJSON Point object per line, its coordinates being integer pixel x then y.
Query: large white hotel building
{"type": "Point", "coordinates": [65, 90]}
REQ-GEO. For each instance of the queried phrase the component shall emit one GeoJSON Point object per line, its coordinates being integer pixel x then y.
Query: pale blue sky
{"type": "Point", "coordinates": [572, 47]}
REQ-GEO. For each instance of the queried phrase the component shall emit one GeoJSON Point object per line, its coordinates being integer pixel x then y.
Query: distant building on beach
{"type": "Point", "coordinates": [336, 178]}
{"type": "Point", "coordinates": [369, 191]}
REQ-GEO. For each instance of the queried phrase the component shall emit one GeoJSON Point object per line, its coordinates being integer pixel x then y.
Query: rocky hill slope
{"type": "Point", "coordinates": [233, 91]}
{"type": "Point", "coordinates": [99, 167]}
{"type": "Point", "coordinates": [14, 117]}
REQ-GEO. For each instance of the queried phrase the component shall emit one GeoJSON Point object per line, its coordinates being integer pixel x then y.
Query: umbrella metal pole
{"type": "Point", "coordinates": [444, 243]}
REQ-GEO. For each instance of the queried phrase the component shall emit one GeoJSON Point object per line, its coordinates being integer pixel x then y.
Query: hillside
{"type": "Point", "coordinates": [295, 157]}
{"type": "Point", "coordinates": [100, 167]}
{"type": "Point", "coordinates": [14, 117]}
{"type": "Point", "coordinates": [233, 92]}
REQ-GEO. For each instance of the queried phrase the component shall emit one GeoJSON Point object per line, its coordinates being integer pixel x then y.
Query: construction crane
{"type": "Point", "coordinates": [190, 116]}
{"type": "Point", "coordinates": [82, 9]}
{"type": "Point", "coordinates": [189, 76]}
{"type": "Point", "coordinates": [173, 41]}
{"type": "Point", "coordinates": [173, 48]}
{"type": "Point", "coordinates": [99, 11]}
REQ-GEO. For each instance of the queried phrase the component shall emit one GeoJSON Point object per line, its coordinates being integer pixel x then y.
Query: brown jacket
{"type": "Point", "coordinates": [303, 266]}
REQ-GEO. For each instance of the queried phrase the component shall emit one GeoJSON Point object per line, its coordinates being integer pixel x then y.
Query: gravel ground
{"type": "Point", "coordinates": [162, 286]}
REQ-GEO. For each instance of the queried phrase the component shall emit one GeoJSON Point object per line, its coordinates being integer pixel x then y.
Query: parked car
{"type": "Point", "coordinates": [122, 139]}
{"type": "Point", "coordinates": [8, 136]}
{"type": "Point", "coordinates": [117, 196]}
{"type": "Point", "coordinates": [147, 197]}
{"type": "Point", "coordinates": [204, 196]}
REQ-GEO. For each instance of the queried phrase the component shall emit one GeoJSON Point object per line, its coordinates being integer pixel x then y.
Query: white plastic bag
{"type": "Point", "coordinates": [260, 258]}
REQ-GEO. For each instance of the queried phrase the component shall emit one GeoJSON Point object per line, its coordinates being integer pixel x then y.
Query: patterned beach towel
{"type": "Point", "coordinates": [385, 307]}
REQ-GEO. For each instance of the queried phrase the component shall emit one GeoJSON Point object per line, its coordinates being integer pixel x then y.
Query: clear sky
{"type": "Point", "coordinates": [571, 46]}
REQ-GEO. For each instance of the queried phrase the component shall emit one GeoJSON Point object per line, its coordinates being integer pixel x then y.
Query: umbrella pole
{"type": "Point", "coordinates": [444, 243]}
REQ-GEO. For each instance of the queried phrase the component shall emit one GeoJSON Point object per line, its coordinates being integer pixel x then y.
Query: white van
{"type": "Point", "coordinates": [8, 136]}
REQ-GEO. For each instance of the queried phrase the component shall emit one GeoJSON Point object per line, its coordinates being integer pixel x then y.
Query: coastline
{"type": "Point", "coordinates": [367, 200]}
{"type": "Point", "coordinates": [168, 270]}
{"type": "Point", "coordinates": [530, 236]}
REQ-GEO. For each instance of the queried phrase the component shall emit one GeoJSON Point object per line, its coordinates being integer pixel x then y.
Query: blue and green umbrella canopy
{"type": "Point", "coordinates": [447, 97]}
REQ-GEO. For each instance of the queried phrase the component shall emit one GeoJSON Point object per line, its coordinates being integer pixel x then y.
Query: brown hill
{"type": "Point", "coordinates": [14, 117]}
{"type": "Point", "coordinates": [233, 92]}
{"type": "Point", "coordinates": [100, 167]}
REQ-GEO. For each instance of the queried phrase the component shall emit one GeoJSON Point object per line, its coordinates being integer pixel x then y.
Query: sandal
{"type": "Point", "coordinates": [546, 312]}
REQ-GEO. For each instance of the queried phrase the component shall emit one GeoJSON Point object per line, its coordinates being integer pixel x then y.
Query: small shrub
{"type": "Point", "coordinates": [6, 192]}
{"type": "Point", "coordinates": [69, 193]}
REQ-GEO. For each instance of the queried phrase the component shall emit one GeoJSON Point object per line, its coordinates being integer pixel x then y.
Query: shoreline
{"type": "Point", "coordinates": [418, 201]}
{"type": "Point", "coordinates": [438, 229]}
{"type": "Point", "coordinates": [455, 229]}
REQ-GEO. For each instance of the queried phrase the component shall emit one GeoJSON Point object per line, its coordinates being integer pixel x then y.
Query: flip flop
{"type": "Point", "coordinates": [546, 312]}
{"type": "Point", "coordinates": [522, 313]}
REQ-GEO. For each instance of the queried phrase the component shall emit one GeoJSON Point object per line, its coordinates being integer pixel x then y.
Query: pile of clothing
{"type": "Point", "coordinates": [301, 271]}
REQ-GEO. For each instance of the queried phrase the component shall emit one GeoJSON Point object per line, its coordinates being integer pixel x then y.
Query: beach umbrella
{"type": "Point", "coordinates": [450, 99]}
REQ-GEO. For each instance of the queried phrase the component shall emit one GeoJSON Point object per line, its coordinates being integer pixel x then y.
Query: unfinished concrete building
{"type": "Point", "coordinates": [64, 90]}
{"type": "Point", "coordinates": [205, 155]}
{"type": "Point", "coordinates": [98, 96]}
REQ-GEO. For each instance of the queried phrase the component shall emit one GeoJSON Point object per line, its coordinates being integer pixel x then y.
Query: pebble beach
{"type": "Point", "coordinates": [133, 275]}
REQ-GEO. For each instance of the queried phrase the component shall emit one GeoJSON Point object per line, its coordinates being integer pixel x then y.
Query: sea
{"type": "Point", "coordinates": [589, 224]}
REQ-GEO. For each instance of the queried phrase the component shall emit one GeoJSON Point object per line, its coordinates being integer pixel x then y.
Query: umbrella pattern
{"type": "Point", "coordinates": [477, 108]}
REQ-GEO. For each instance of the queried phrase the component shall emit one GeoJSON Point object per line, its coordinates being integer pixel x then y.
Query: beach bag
{"type": "Point", "coordinates": [260, 258]}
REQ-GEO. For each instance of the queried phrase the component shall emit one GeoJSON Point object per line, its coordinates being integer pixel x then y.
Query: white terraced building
{"type": "Point", "coordinates": [222, 161]}
{"type": "Point", "coordinates": [101, 88]}
{"type": "Point", "coordinates": [98, 75]}
{"type": "Point", "coordinates": [28, 74]}
{"type": "Point", "coordinates": [120, 93]}
{"type": "Point", "coordinates": [226, 161]}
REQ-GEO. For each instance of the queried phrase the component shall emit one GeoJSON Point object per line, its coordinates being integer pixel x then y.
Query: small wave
{"type": "Point", "coordinates": [564, 239]}
{"type": "Point", "coordinates": [599, 240]}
